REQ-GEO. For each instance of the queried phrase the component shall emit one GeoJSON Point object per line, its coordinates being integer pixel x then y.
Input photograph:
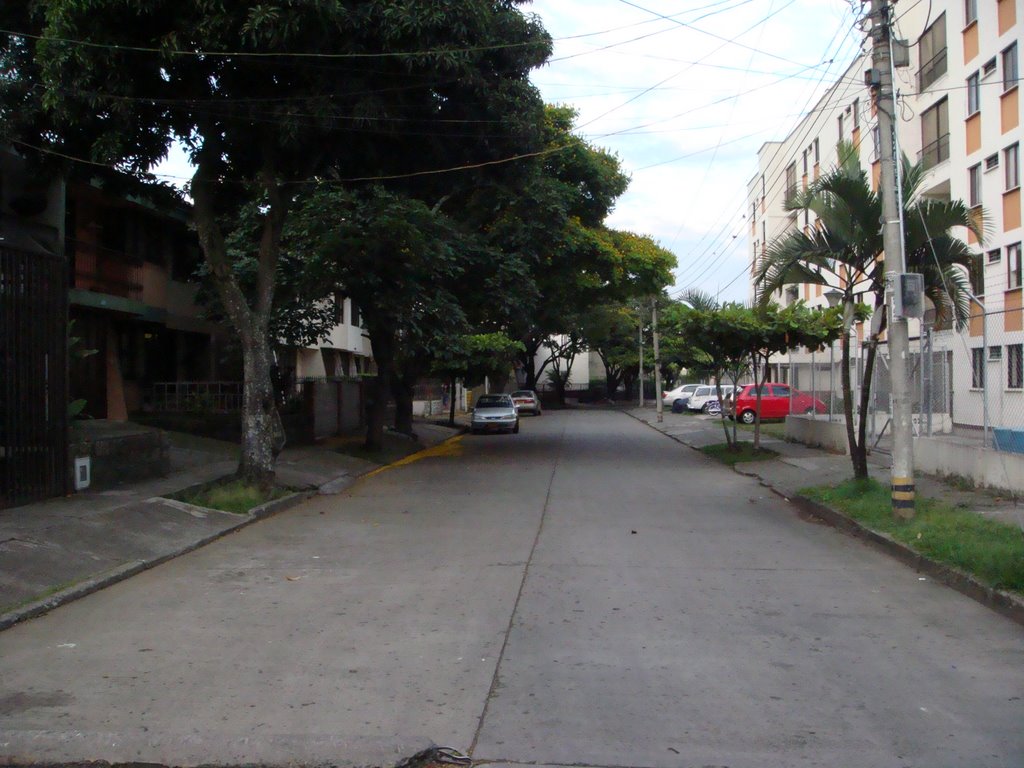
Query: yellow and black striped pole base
{"type": "Point", "coordinates": [903, 496]}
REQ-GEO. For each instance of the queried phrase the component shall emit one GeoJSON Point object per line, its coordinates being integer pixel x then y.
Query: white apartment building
{"type": "Point", "coordinates": [346, 352]}
{"type": "Point", "coordinates": [960, 112]}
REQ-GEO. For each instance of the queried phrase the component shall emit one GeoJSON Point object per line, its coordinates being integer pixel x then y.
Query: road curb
{"type": "Point", "coordinates": [1004, 603]}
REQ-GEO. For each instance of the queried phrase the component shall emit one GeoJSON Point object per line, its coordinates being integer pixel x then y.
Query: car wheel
{"type": "Point", "coordinates": [706, 408]}
{"type": "Point", "coordinates": [515, 429]}
{"type": "Point", "coordinates": [747, 417]}
{"type": "Point", "coordinates": [808, 410]}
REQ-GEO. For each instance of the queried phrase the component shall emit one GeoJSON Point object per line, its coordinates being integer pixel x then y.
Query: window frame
{"type": "Point", "coordinates": [1011, 66]}
{"type": "Point", "coordinates": [937, 62]}
{"type": "Point", "coordinates": [1011, 167]}
{"type": "Point", "coordinates": [974, 185]}
{"type": "Point", "coordinates": [973, 94]}
{"type": "Point", "coordinates": [970, 12]}
{"type": "Point", "coordinates": [1013, 267]}
{"type": "Point", "coordinates": [940, 143]}
{"type": "Point", "coordinates": [978, 364]}
{"type": "Point", "coordinates": [1015, 366]}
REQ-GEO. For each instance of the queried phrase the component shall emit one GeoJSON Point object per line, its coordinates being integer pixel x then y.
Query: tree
{"type": "Point", "coordinates": [844, 251]}
{"type": "Point", "coordinates": [472, 358]}
{"type": "Point", "coordinates": [610, 330]}
{"type": "Point", "coordinates": [269, 95]}
{"type": "Point", "coordinates": [782, 330]}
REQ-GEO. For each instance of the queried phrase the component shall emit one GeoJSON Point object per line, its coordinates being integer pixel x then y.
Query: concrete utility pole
{"type": "Point", "coordinates": [640, 378]}
{"type": "Point", "coordinates": [892, 240]}
{"type": "Point", "coordinates": [657, 362]}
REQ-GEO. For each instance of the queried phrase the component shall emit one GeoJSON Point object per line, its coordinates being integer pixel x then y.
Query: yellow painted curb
{"type": "Point", "coordinates": [450, 447]}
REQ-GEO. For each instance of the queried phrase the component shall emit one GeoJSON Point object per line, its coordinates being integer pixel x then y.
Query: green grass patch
{"type": "Point", "coordinates": [234, 496]}
{"type": "Point", "coordinates": [740, 452]}
{"type": "Point", "coordinates": [769, 428]}
{"type": "Point", "coordinates": [991, 551]}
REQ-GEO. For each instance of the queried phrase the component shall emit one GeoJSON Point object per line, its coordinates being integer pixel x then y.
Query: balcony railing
{"type": "Point", "coordinates": [104, 270]}
{"type": "Point", "coordinates": [935, 152]}
{"type": "Point", "coordinates": [932, 70]}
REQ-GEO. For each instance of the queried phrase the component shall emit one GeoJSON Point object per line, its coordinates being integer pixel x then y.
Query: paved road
{"type": "Point", "coordinates": [587, 592]}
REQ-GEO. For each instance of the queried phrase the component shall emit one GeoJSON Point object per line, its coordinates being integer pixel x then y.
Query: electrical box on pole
{"type": "Point", "coordinates": [907, 295]}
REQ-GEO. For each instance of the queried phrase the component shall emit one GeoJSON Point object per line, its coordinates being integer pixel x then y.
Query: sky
{"type": "Point", "coordinates": [685, 92]}
{"type": "Point", "coordinates": [686, 102]}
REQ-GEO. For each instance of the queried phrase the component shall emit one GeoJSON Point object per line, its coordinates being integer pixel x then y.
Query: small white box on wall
{"type": "Point", "coordinates": [83, 472]}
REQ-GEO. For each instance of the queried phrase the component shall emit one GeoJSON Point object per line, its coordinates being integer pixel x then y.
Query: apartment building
{"type": "Point", "coordinates": [959, 113]}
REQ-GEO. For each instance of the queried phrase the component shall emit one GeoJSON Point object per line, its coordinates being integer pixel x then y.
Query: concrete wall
{"type": "Point", "coordinates": [932, 455]}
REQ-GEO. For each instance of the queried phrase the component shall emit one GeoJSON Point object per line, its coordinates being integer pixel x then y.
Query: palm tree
{"type": "Point", "coordinates": [844, 251]}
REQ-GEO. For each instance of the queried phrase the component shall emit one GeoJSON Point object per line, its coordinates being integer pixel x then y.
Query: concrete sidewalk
{"type": "Point", "coordinates": [799, 466]}
{"type": "Point", "coordinates": [62, 549]}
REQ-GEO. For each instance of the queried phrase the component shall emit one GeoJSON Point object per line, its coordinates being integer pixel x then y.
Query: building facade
{"type": "Point", "coordinates": [959, 113]}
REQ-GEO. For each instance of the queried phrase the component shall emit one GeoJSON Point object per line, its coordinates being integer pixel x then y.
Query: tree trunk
{"type": "Point", "coordinates": [262, 436]}
{"type": "Point", "coordinates": [865, 398]}
{"type": "Point", "coordinates": [451, 403]}
{"type": "Point", "coordinates": [858, 451]}
{"type": "Point", "coordinates": [380, 344]}
{"type": "Point", "coordinates": [402, 390]}
{"type": "Point", "coordinates": [529, 359]}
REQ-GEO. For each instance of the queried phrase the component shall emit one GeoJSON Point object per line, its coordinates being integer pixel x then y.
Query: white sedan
{"type": "Point", "coordinates": [494, 413]}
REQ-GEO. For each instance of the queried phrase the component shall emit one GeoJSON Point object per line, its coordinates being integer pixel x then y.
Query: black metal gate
{"type": "Point", "coordinates": [33, 377]}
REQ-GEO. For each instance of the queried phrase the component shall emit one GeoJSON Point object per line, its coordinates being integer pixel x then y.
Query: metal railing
{"type": "Point", "coordinates": [104, 270]}
{"type": "Point", "coordinates": [196, 396]}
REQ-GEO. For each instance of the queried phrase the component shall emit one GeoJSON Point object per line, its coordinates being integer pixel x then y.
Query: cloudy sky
{"type": "Point", "coordinates": [685, 92]}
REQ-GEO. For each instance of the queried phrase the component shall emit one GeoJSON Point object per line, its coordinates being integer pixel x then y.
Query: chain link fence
{"type": "Point", "coordinates": [963, 386]}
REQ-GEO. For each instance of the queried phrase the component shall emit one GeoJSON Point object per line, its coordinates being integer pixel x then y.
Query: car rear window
{"type": "Point", "coordinates": [523, 393]}
{"type": "Point", "coordinates": [492, 401]}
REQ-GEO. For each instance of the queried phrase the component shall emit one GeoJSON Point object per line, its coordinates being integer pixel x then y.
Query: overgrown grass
{"type": "Point", "coordinates": [742, 452]}
{"type": "Point", "coordinates": [234, 496]}
{"type": "Point", "coordinates": [991, 551]}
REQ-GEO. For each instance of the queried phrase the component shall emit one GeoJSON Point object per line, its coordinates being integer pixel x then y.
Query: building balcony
{"type": "Point", "coordinates": [935, 152]}
{"type": "Point", "coordinates": [103, 270]}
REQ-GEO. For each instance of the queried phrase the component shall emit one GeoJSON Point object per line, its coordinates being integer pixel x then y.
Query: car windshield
{"type": "Point", "coordinates": [492, 401]}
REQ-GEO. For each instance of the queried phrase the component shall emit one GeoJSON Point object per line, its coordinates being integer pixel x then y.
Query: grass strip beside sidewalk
{"type": "Point", "coordinates": [991, 551]}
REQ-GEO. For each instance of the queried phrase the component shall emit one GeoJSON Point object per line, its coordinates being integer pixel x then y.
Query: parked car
{"type": "Point", "coordinates": [676, 398]}
{"type": "Point", "coordinates": [703, 395]}
{"type": "Point", "coordinates": [776, 400]}
{"type": "Point", "coordinates": [526, 400]}
{"type": "Point", "coordinates": [494, 413]}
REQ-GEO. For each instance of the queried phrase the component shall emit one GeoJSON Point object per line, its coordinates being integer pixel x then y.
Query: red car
{"type": "Point", "coordinates": [775, 402]}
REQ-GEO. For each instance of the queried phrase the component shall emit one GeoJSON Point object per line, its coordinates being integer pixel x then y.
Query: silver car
{"type": "Point", "coordinates": [526, 400]}
{"type": "Point", "coordinates": [494, 413]}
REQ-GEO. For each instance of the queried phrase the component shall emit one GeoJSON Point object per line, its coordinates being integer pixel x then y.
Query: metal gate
{"type": "Point", "coordinates": [33, 376]}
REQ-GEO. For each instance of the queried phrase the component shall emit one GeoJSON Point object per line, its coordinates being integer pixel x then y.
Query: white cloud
{"type": "Point", "coordinates": [686, 111]}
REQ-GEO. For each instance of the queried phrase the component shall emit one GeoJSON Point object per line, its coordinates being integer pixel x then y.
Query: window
{"type": "Point", "coordinates": [839, 123]}
{"type": "Point", "coordinates": [992, 162]}
{"type": "Point", "coordinates": [817, 153]}
{"type": "Point", "coordinates": [977, 368]}
{"type": "Point", "coordinates": [1013, 265]}
{"type": "Point", "coordinates": [935, 134]}
{"type": "Point", "coordinates": [933, 53]}
{"type": "Point", "coordinates": [995, 353]}
{"type": "Point", "coordinates": [994, 256]}
{"type": "Point", "coordinates": [805, 161]}
{"type": "Point", "coordinates": [356, 320]}
{"type": "Point", "coordinates": [790, 180]}
{"type": "Point", "coordinates": [876, 142]}
{"type": "Point", "coordinates": [988, 67]}
{"type": "Point", "coordinates": [1011, 164]}
{"type": "Point", "coordinates": [974, 185]}
{"type": "Point", "coordinates": [970, 12]}
{"type": "Point", "coordinates": [856, 114]}
{"type": "Point", "coordinates": [1014, 367]}
{"type": "Point", "coordinates": [1010, 72]}
{"type": "Point", "coordinates": [973, 94]}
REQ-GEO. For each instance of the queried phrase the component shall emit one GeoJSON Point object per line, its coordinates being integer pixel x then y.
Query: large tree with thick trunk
{"type": "Point", "coordinates": [270, 95]}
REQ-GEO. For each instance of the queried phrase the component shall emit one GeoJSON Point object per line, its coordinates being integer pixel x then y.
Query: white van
{"type": "Point", "coordinates": [706, 398]}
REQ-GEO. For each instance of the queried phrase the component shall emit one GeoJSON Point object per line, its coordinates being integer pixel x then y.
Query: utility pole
{"type": "Point", "coordinates": [640, 377]}
{"type": "Point", "coordinates": [657, 362]}
{"type": "Point", "coordinates": [892, 241]}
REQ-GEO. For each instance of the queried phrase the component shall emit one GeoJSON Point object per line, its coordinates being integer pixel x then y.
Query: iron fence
{"type": "Point", "coordinates": [195, 396]}
{"type": "Point", "coordinates": [33, 359]}
{"type": "Point", "coordinates": [968, 385]}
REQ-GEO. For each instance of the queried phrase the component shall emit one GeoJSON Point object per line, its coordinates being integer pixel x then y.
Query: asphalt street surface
{"type": "Point", "coordinates": [587, 592]}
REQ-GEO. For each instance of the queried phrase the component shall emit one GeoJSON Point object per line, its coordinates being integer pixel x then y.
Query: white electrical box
{"type": "Point", "coordinates": [83, 473]}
